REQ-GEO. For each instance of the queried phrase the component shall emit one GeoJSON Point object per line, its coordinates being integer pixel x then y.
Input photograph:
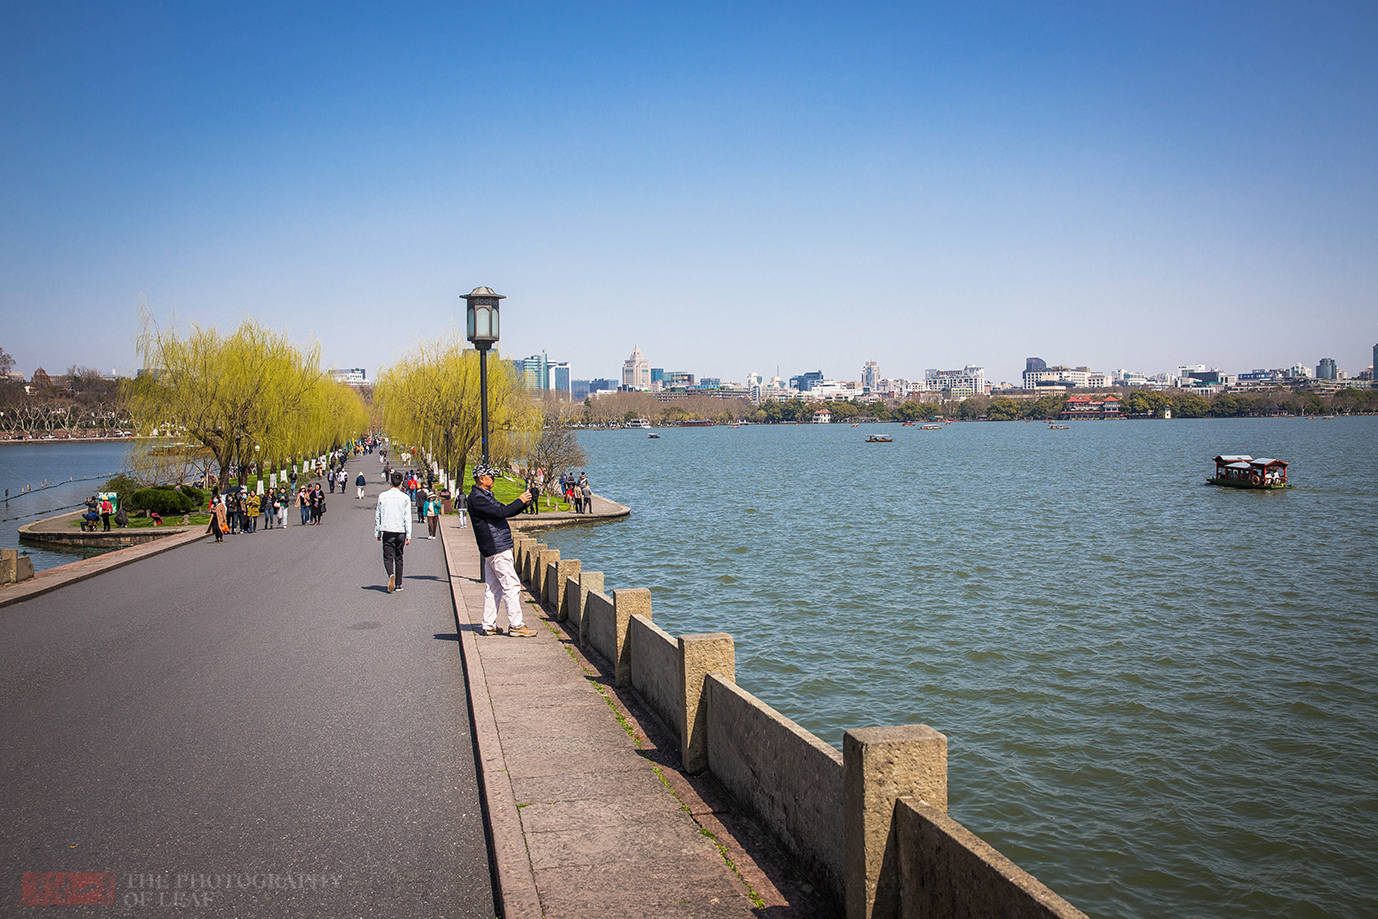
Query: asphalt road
{"type": "Point", "coordinates": [251, 729]}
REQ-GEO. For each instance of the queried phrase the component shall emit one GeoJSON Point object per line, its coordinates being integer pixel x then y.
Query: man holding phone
{"type": "Point", "coordinates": [494, 538]}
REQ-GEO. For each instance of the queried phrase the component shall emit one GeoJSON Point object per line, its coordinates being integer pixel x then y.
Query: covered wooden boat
{"type": "Point", "coordinates": [1240, 471]}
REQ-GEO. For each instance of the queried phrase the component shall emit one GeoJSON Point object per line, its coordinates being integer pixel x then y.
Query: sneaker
{"type": "Point", "coordinates": [522, 632]}
{"type": "Point", "coordinates": [392, 584]}
{"type": "Point", "coordinates": [493, 631]}
{"type": "Point", "coordinates": [399, 589]}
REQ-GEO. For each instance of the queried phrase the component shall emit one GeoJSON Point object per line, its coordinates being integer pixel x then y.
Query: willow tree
{"type": "Point", "coordinates": [248, 397]}
{"type": "Point", "coordinates": [430, 399]}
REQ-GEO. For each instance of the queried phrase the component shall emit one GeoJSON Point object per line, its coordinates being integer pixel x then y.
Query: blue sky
{"type": "Point", "coordinates": [733, 187]}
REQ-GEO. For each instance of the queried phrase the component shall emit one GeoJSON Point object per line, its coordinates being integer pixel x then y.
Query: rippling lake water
{"type": "Point", "coordinates": [1161, 698]}
{"type": "Point", "coordinates": [33, 464]}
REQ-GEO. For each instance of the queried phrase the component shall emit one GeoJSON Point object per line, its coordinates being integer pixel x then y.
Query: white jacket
{"type": "Point", "coordinates": [393, 514]}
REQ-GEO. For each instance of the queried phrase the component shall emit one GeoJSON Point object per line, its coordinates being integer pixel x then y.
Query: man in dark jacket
{"type": "Point", "coordinates": [494, 538]}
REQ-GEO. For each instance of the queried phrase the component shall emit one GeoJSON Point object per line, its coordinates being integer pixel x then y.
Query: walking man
{"type": "Point", "coordinates": [494, 538]}
{"type": "Point", "coordinates": [392, 526]}
{"type": "Point", "coordinates": [359, 487]}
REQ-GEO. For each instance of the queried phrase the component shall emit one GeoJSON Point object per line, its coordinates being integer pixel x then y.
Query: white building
{"type": "Point", "coordinates": [353, 375]}
{"type": "Point", "coordinates": [636, 371]}
{"type": "Point", "coordinates": [956, 384]}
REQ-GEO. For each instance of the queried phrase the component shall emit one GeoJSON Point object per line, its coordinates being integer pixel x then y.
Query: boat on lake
{"type": "Point", "coordinates": [879, 439]}
{"type": "Point", "coordinates": [639, 423]}
{"type": "Point", "coordinates": [653, 436]}
{"type": "Point", "coordinates": [1241, 471]}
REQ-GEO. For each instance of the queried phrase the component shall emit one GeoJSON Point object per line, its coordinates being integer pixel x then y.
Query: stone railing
{"type": "Point", "coordinates": [869, 823]}
{"type": "Point", "coordinates": [14, 567]}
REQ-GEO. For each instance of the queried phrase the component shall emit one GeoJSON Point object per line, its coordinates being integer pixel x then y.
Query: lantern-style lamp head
{"type": "Point", "coordinates": [481, 316]}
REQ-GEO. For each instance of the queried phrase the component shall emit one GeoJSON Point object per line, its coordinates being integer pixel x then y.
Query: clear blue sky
{"type": "Point", "coordinates": [732, 187]}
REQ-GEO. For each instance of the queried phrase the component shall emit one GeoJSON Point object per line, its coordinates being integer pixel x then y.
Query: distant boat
{"type": "Point", "coordinates": [639, 423]}
{"type": "Point", "coordinates": [933, 427]}
{"type": "Point", "coordinates": [1059, 427]}
{"type": "Point", "coordinates": [1241, 471]}
{"type": "Point", "coordinates": [879, 439]}
{"type": "Point", "coordinates": [653, 436]}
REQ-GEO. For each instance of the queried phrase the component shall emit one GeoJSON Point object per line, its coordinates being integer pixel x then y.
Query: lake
{"type": "Point", "coordinates": [1160, 697]}
{"type": "Point", "coordinates": [87, 465]}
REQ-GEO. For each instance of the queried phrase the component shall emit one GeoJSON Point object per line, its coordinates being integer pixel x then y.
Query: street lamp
{"type": "Point", "coordinates": [481, 321]}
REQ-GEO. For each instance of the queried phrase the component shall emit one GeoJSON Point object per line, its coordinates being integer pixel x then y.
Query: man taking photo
{"type": "Point", "coordinates": [494, 538]}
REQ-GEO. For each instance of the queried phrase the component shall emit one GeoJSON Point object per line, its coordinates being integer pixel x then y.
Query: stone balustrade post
{"type": "Point", "coordinates": [544, 558]}
{"type": "Point", "coordinates": [527, 572]}
{"type": "Point", "coordinates": [9, 566]}
{"type": "Point", "coordinates": [588, 581]}
{"type": "Point", "coordinates": [626, 604]}
{"type": "Point", "coordinates": [700, 655]}
{"type": "Point", "coordinates": [565, 569]}
{"type": "Point", "coordinates": [879, 766]}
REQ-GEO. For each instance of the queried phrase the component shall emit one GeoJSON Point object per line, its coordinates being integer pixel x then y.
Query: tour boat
{"type": "Point", "coordinates": [653, 436]}
{"type": "Point", "coordinates": [1240, 471]}
{"type": "Point", "coordinates": [639, 423]}
{"type": "Point", "coordinates": [1059, 427]}
{"type": "Point", "coordinates": [879, 439]}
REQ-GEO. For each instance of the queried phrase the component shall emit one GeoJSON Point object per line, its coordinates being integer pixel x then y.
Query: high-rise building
{"type": "Point", "coordinates": [636, 371]}
{"type": "Point", "coordinates": [1373, 369]}
{"type": "Point", "coordinates": [870, 377]}
{"type": "Point", "coordinates": [806, 381]}
{"type": "Point", "coordinates": [1326, 369]}
{"type": "Point", "coordinates": [1035, 364]}
{"type": "Point", "coordinates": [533, 371]}
{"type": "Point", "coordinates": [559, 378]}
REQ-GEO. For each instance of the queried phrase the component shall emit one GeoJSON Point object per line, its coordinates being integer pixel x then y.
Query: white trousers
{"type": "Point", "coordinates": [501, 583]}
{"type": "Point", "coordinates": [358, 491]}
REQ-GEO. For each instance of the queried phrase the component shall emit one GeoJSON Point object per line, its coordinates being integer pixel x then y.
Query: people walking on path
{"type": "Point", "coordinates": [392, 526]}
{"type": "Point", "coordinates": [432, 511]}
{"type": "Point", "coordinates": [359, 483]}
{"type": "Point", "coordinates": [251, 513]}
{"type": "Point", "coordinates": [494, 538]}
{"type": "Point", "coordinates": [304, 505]}
{"type": "Point", "coordinates": [461, 504]}
{"type": "Point", "coordinates": [218, 522]}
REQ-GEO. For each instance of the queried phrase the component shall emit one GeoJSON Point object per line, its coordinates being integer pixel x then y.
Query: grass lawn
{"type": "Point", "coordinates": [507, 490]}
{"type": "Point", "coordinates": [144, 523]}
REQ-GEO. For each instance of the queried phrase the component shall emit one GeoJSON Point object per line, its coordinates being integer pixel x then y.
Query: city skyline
{"type": "Point", "coordinates": [735, 188]}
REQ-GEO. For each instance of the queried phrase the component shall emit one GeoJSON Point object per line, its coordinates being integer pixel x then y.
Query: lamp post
{"type": "Point", "coordinates": [481, 321]}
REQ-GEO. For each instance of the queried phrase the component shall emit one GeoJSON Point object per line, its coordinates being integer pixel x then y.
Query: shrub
{"type": "Point", "coordinates": [162, 500]}
{"type": "Point", "coordinates": [123, 486]}
{"type": "Point", "coordinates": [199, 496]}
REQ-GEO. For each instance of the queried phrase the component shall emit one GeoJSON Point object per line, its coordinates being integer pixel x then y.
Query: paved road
{"type": "Point", "coordinates": [258, 721]}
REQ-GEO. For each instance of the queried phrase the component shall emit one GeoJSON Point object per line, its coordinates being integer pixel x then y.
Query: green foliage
{"type": "Point", "coordinates": [123, 486]}
{"type": "Point", "coordinates": [161, 500]}
{"type": "Point", "coordinates": [1003, 408]}
{"type": "Point", "coordinates": [199, 496]}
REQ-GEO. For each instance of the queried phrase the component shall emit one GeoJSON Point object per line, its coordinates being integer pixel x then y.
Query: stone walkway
{"type": "Point", "coordinates": [585, 823]}
{"type": "Point", "coordinates": [256, 723]}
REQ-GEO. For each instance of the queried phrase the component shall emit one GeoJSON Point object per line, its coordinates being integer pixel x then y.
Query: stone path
{"type": "Point", "coordinates": [258, 710]}
{"type": "Point", "coordinates": [583, 824]}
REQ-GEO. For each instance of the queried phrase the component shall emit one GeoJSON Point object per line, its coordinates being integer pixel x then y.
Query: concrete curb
{"type": "Point", "coordinates": [62, 575]}
{"type": "Point", "coordinates": [515, 878]}
{"type": "Point", "coordinates": [606, 510]}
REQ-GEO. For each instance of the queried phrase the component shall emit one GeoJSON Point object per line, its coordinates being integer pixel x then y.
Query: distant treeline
{"type": "Point", "coordinates": [619, 408]}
